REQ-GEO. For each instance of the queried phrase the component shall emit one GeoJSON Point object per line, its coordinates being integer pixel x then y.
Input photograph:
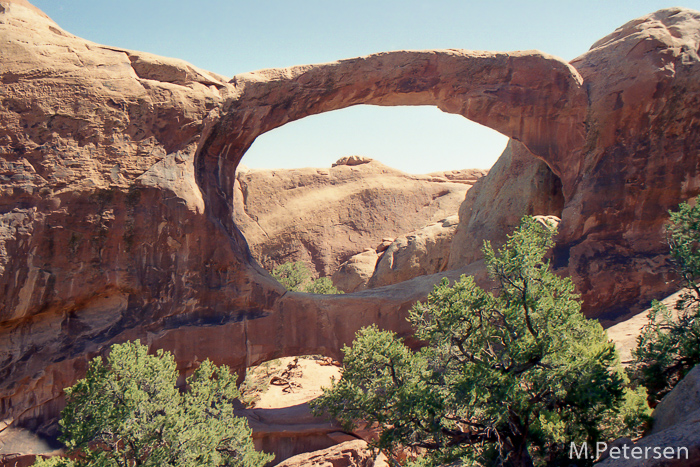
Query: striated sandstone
{"type": "Point", "coordinates": [421, 252]}
{"type": "Point", "coordinates": [324, 216]}
{"type": "Point", "coordinates": [639, 160]}
{"type": "Point", "coordinates": [495, 205]}
{"type": "Point", "coordinates": [118, 177]}
{"type": "Point", "coordinates": [641, 139]}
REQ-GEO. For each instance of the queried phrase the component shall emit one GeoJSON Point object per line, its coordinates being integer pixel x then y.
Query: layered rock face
{"type": "Point", "coordinates": [418, 253]}
{"type": "Point", "coordinates": [493, 209]}
{"type": "Point", "coordinates": [323, 216]}
{"type": "Point", "coordinates": [640, 159]}
{"type": "Point", "coordinates": [118, 182]}
{"type": "Point", "coordinates": [101, 221]}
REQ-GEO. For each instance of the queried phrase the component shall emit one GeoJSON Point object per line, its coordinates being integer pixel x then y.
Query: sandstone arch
{"type": "Point", "coordinates": [136, 154]}
{"type": "Point", "coordinates": [532, 97]}
{"type": "Point", "coordinates": [529, 96]}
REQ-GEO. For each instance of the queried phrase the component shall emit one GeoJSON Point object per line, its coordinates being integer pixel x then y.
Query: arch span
{"type": "Point", "coordinates": [529, 96]}
{"type": "Point", "coordinates": [161, 270]}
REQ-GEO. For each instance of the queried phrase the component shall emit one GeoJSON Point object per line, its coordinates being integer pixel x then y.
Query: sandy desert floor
{"type": "Point", "coordinates": [288, 381]}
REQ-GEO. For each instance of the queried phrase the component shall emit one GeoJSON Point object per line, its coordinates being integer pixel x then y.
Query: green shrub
{"type": "Point", "coordinates": [130, 412]}
{"type": "Point", "coordinates": [322, 285]}
{"type": "Point", "coordinates": [292, 275]}
{"type": "Point", "coordinates": [669, 345]}
{"type": "Point", "coordinates": [296, 277]}
{"type": "Point", "coordinates": [508, 379]}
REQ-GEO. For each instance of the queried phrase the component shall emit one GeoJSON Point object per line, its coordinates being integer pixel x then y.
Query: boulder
{"type": "Point", "coordinates": [422, 252]}
{"type": "Point", "coordinates": [346, 454]}
{"type": "Point", "coordinates": [352, 160]}
{"type": "Point", "coordinates": [354, 274]}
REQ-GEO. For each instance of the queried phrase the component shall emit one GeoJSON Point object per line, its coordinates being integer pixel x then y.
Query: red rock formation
{"type": "Point", "coordinates": [494, 207]}
{"type": "Point", "coordinates": [533, 97]}
{"type": "Point", "coordinates": [346, 454]}
{"type": "Point", "coordinates": [676, 425]}
{"type": "Point", "coordinates": [421, 252]}
{"type": "Point", "coordinates": [322, 216]}
{"type": "Point", "coordinates": [640, 159]}
{"type": "Point", "coordinates": [117, 177]}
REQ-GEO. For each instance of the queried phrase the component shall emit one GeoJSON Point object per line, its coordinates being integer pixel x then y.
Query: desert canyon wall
{"type": "Point", "coordinates": [324, 216]}
{"type": "Point", "coordinates": [118, 174]}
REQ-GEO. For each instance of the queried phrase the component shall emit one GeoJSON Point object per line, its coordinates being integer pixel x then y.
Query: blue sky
{"type": "Point", "coordinates": [230, 37]}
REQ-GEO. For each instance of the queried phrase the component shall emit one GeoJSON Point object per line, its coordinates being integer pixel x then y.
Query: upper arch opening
{"type": "Point", "coordinates": [415, 139]}
{"type": "Point", "coordinates": [531, 97]}
{"type": "Point", "coordinates": [362, 222]}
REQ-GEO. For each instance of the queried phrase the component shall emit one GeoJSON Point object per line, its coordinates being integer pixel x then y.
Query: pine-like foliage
{"type": "Point", "coordinates": [669, 345]}
{"type": "Point", "coordinates": [292, 275]}
{"type": "Point", "coordinates": [129, 412]}
{"type": "Point", "coordinates": [296, 277]}
{"type": "Point", "coordinates": [509, 377]}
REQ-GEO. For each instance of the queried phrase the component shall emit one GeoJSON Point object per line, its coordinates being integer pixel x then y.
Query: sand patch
{"type": "Point", "coordinates": [288, 381]}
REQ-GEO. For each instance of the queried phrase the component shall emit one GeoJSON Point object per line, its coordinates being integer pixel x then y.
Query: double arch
{"type": "Point", "coordinates": [529, 96]}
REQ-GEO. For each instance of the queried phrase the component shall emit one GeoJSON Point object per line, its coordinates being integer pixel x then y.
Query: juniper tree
{"type": "Point", "coordinates": [292, 275]}
{"type": "Point", "coordinates": [296, 277]}
{"type": "Point", "coordinates": [129, 412]}
{"type": "Point", "coordinates": [506, 377]}
{"type": "Point", "coordinates": [669, 345]}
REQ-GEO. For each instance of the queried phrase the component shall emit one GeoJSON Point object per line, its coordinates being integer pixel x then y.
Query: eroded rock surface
{"type": "Point", "coordinates": [493, 209]}
{"type": "Point", "coordinates": [639, 159]}
{"type": "Point", "coordinates": [676, 428]}
{"type": "Point", "coordinates": [354, 274]}
{"type": "Point", "coordinates": [680, 406]}
{"type": "Point", "coordinates": [421, 252]}
{"type": "Point", "coordinates": [117, 183]}
{"type": "Point", "coordinates": [323, 216]}
{"type": "Point", "coordinates": [346, 454]}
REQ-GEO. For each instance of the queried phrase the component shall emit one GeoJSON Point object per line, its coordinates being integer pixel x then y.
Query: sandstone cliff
{"type": "Point", "coordinates": [117, 183]}
{"type": "Point", "coordinates": [494, 207]}
{"type": "Point", "coordinates": [322, 216]}
{"type": "Point", "coordinates": [421, 252]}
